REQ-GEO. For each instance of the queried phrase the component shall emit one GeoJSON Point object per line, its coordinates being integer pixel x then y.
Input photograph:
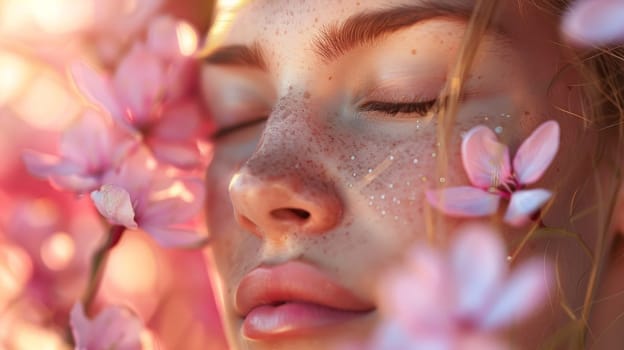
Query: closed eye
{"type": "Point", "coordinates": [394, 108]}
{"type": "Point", "coordinates": [228, 130]}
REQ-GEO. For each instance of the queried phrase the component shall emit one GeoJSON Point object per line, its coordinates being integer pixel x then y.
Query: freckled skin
{"type": "Point", "coordinates": [316, 149]}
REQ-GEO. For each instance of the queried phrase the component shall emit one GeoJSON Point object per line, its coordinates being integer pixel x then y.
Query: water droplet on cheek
{"type": "Point", "coordinates": [498, 129]}
{"type": "Point", "coordinates": [415, 161]}
{"type": "Point", "coordinates": [352, 157]}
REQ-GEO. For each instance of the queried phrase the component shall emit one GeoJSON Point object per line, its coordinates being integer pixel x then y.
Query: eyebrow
{"type": "Point", "coordinates": [366, 28]}
{"type": "Point", "coordinates": [361, 29]}
{"type": "Point", "coordinates": [238, 55]}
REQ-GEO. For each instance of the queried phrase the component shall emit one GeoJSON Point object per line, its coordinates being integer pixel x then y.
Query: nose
{"type": "Point", "coordinates": [274, 205]}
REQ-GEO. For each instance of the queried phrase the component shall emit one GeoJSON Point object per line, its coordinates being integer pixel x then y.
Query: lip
{"type": "Point", "coordinates": [293, 299]}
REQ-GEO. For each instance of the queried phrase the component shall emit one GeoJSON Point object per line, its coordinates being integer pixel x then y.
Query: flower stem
{"type": "Point", "coordinates": [98, 262]}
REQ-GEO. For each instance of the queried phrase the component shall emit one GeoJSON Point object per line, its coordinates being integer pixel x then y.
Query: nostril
{"type": "Point", "coordinates": [290, 214]}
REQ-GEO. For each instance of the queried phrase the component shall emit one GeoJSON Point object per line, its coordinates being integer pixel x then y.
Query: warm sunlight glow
{"type": "Point", "coordinates": [14, 72]}
{"type": "Point", "coordinates": [27, 337]}
{"type": "Point", "coordinates": [47, 104]}
{"type": "Point", "coordinates": [57, 251]}
{"type": "Point", "coordinates": [132, 267]}
{"type": "Point", "coordinates": [15, 271]}
{"type": "Point", "coordinates": [62, 16]}
{"type": "Point", "coordinates": [187, 39]}
{"type": "Point", "coordinates": [226, 9]}
{"type": "Point", "coordinates": [176, 190]}
{"type": "Point", "coordinates": [42, 212]}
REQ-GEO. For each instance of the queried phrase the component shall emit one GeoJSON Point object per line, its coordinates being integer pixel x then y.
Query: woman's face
{"type": "Point", "coordinates": [327, 143]}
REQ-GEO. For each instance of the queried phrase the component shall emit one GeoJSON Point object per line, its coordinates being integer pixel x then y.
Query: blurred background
{"type": "Point", "coordinates": [48, 236]}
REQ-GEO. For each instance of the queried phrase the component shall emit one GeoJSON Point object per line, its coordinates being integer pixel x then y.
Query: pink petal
{"type": "Point", "coordinates": [140, 83]}
{"type": "Point", "coordinates": [478, 262]}
{"type": "Point", "coordinates": [182, 155]}
{"type": "Point", "coordinates": [113, 328]}
{"type": "Point", "coordinates": [464, 201]}
{"type": "Point", "coordinates": [417, 295]}
{"type": "Point", "coordinates": [137, 173]}
{"type": "Point", "coordinates": [522, 294]}
{"type": "Point", "coordinates": [176, 210]}
{"type": "Point", "coordinates": [97, 88]}
{"type": "Point", "coordinates": [44, 165]}
{"type": "Point", "coordinates": [485, 159]}
{"type": "Point", "coordinates": [523, 204]}
{"type": "Point", "coordinates": [536, 153]}
{"type": "Point", "coordinates": [116, 17]}
{"type": "Point", "coordinates": [162, 37]}
{"type": "Point", "coordinates": [595, 22]}
{"type": "Point", "coordinates": [181, 77]}
{"type": "Point", "coordinates": [180, 121]}
{"type": "Point", "coordinates": [80, 325]}
{"type": "Point", "coordinates": [114, 203]}
{"type": "Point", "coordinates": [176, 237]}
{"type": "Point", "coordinates": [77, 183]}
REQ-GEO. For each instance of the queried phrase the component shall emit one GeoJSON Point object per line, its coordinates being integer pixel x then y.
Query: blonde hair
{"type": "Point", "coordinates": [602, 70]}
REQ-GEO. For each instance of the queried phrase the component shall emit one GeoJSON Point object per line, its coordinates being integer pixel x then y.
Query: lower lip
{"type": "Point", "coordinates": [292, 319]}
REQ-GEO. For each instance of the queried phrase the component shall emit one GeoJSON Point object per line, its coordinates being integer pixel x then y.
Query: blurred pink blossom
{"type": "Point", "coordinates": [458, 299]}
{"type": "Point", "coordinates": [595, 22]}
{"type": "Point", "coordinates": [487, 164]}
{"type": "Point", "coordinates": [87, 151]}
{"type": "Point", "coordinates": [141, 195]}
{"type": "Point", "coordinates": [117, 22]}
{"type": "Point", "coordinates": [113, 328]}
{"type": "Point", "coordinates": [151, 93]}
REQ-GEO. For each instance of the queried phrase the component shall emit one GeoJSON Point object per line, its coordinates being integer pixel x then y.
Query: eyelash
{"type": "Point", "coordinates": [223, 132]}
{"type": "Point", "coordinates": [394, 108]}
{"type": "Point", "coordinates": [390, 108]}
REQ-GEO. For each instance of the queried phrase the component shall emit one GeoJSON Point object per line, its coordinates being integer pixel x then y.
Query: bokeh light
{"type": "Point", "coordinates": [62, 16]}
{"type": "Point", "coordinates": [58, 251]}
{"type": "Point", "coordinates": [47, 104]}
{"type": "Point", "coordinates": [14, 72]}
{"type": "Point", "coordinates": [15, 271]}
{"type": "Point", "coordinates": [132, 267]}
{"type": "Point", "coordinates": [187, 39]}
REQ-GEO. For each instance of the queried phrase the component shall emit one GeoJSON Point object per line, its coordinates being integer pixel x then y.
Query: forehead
{"type": "Point", "coordinates": [270, 20]}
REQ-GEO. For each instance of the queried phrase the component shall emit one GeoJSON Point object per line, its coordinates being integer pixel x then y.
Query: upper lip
{"type": "Point", "coordinates": [294, 281]}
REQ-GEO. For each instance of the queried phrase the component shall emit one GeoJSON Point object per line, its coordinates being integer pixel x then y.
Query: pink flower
{"type": "Point", "coordinates": [141, 196]}
{"type": "Point", "coordinates": [152, 93]}
{"type": "Point", "coordinates": [595, 22]}
{"type": "Point", "coordinates": [487, 164]}
{"type": "Point", "coordinates": [88, 149]}
{"type": "Point", "coordinates": [459, 298]}
{"type": "Point", "coordinates": [113, 328]}
{"type": "Point", "coordinates": [117, 22]}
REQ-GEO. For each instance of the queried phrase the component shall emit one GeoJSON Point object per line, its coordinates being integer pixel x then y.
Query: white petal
{"type": "Point", "coordinates": [525, 203]}
{"type": "Point", "coordinates": [464, 201]}
{"type": "Point", "coordinates": [114, 203]}
{"type": "Point", "coordinates": [537, 152]}
{"type": "Point", "coordinates": [479, 262]}
{"type": "Point", "coordinates": [486, 161]}
{"type": "Point", "coordinates": [522, 295]}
